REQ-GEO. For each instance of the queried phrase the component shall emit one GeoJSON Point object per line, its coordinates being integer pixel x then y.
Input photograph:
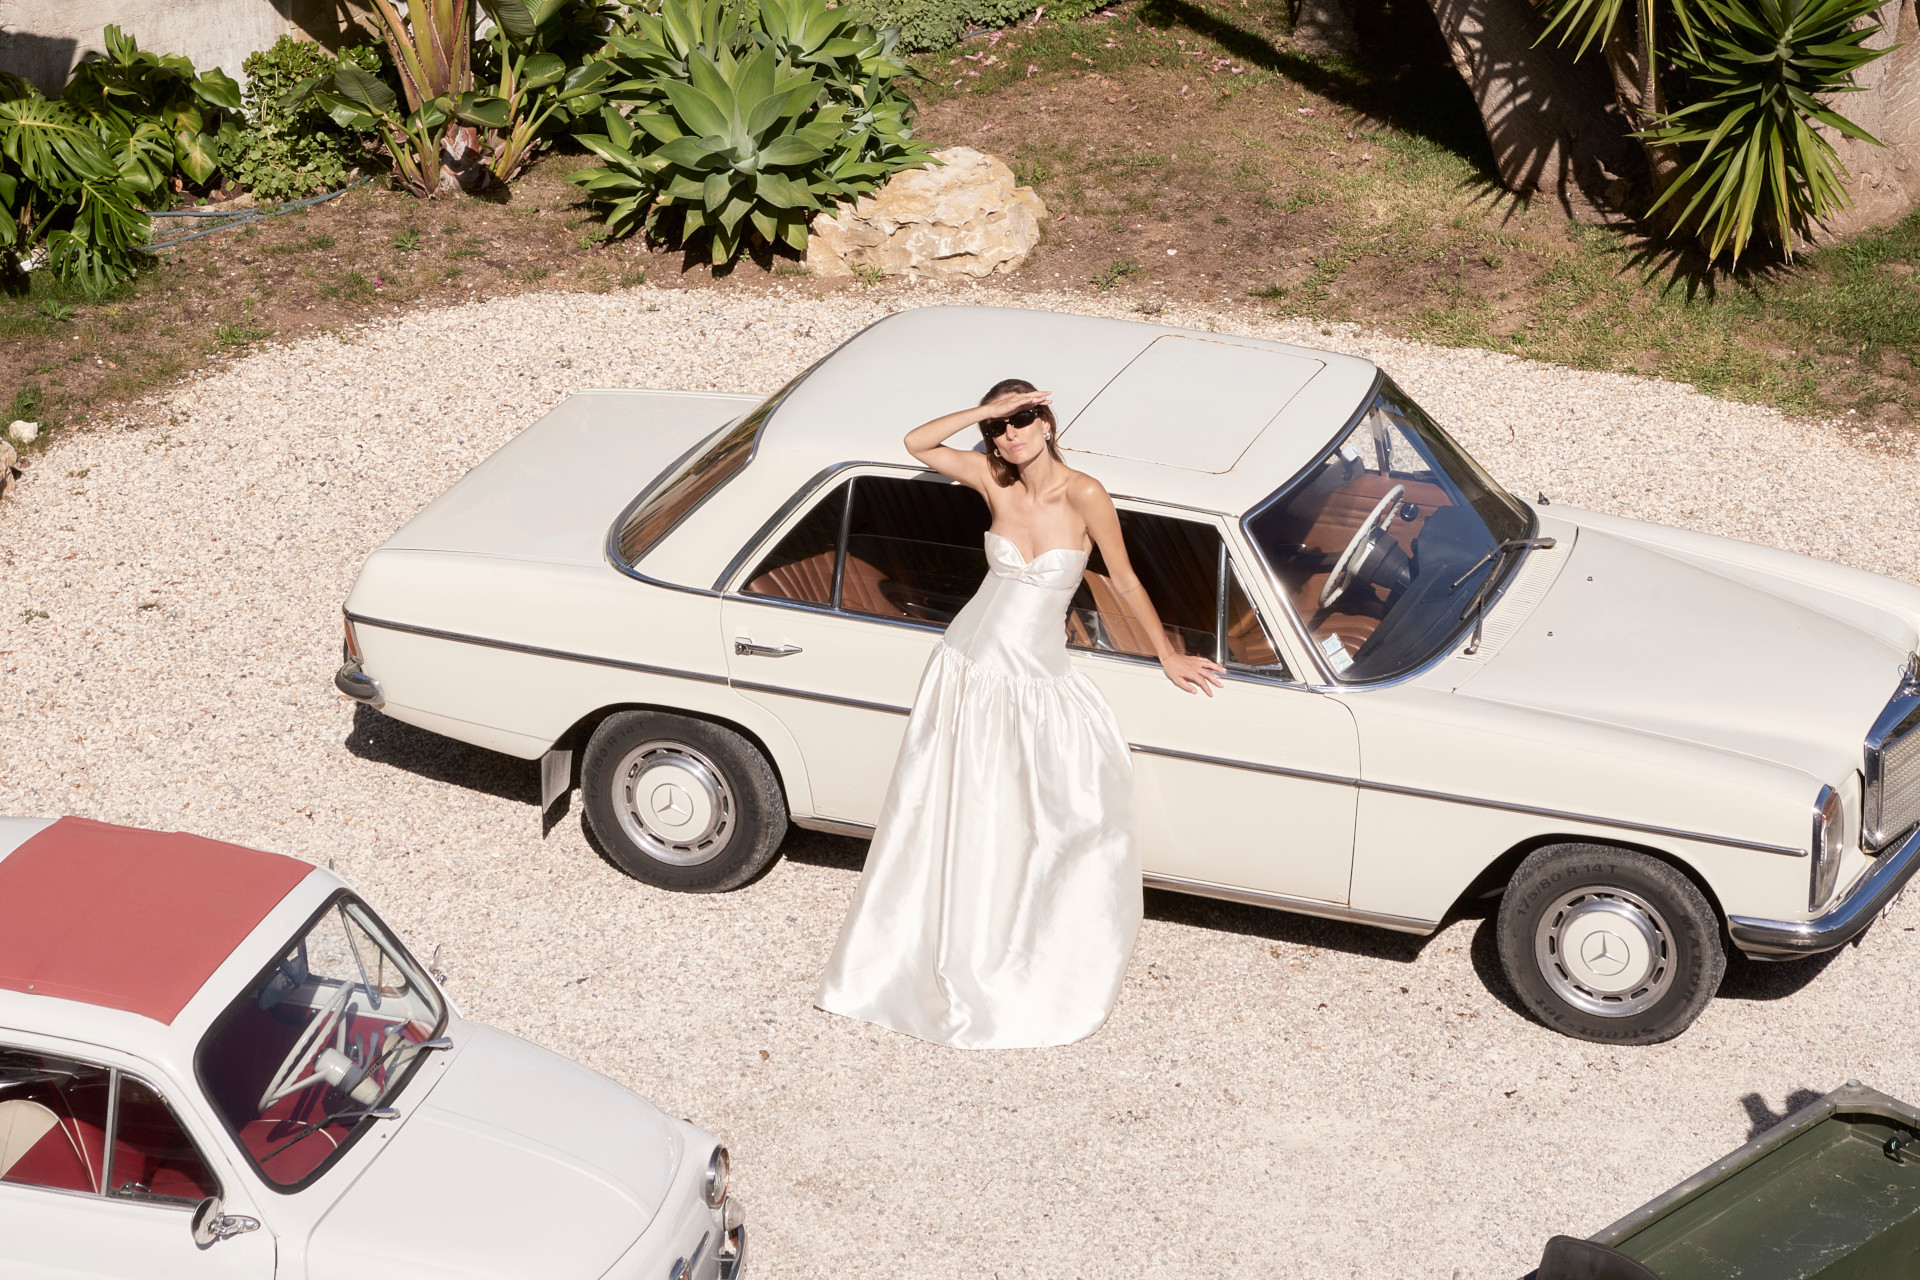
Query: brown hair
{"type": "Point", "coordinates": [1004, 472]}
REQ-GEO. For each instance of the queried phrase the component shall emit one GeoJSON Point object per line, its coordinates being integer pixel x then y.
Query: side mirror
{"type": "Point", "coordinates": [211, 1223]}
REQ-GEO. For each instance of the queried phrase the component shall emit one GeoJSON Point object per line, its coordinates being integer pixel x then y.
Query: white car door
{"type": "Point", "coordinates": [831, 625]}
{"type": "Point", "coordinates": [1250, 789]}
{"type": "Point", "coordinates": [98, 1178]}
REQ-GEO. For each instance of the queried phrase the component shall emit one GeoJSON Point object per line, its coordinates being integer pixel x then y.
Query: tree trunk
{"type": "Point", "coordinates": [1637, 92]}
{"type": "Point", "coordinates": [1555, 128]}
{"type": "Point", "coordinates": [1883, 181]}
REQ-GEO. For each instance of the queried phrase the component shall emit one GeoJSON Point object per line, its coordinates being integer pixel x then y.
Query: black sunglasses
{"type": "Point", "coordinates": [994, 428]}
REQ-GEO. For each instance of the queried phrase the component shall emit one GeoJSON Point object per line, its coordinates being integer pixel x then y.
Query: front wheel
{"type": "Point", "coordinates": [680, 803]}
{"type": "Point", "coordinates": [1609, 945]}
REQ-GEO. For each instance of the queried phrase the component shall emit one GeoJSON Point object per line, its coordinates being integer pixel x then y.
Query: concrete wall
{"type": "Point", "coordinates": [41, 40]}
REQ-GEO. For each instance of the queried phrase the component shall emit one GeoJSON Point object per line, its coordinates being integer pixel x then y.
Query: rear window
{"type": "Point", "coordinates": [693, 480]}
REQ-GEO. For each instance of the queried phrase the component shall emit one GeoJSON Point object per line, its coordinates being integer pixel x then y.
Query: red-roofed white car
{"type": "Point", "coordinates": [219, 1062]}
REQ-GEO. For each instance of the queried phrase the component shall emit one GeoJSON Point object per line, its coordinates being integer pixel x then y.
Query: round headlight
{"type": "Point", "coordinates": [718, 1167]}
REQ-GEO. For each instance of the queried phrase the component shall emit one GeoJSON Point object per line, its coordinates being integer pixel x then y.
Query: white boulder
{"type": "Point", "coordinates": [965, 218]}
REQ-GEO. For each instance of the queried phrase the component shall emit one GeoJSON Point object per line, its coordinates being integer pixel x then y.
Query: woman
{"type": "Point", "coordinates": [1002, 892]}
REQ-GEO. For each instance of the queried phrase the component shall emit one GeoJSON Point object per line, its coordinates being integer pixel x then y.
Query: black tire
{"type": "Point", "coordinates": [711, 815]}
{"type": "Point", "coordinates": [1608, 944]}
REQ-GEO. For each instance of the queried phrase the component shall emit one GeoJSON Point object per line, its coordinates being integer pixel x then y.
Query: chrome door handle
{"type": "Point", "coordinates": [748, 649]}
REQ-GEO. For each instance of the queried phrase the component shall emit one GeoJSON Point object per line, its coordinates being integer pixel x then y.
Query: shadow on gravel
{"type": "Point", "coordinates": [428, 755]}
{"type": "Point", "coordinates": [1282, 926]}
{"type": "Point", "coordinates": [1761, 1117]}
{"type": "Point", "coordinates": [818, 849]}
{"type": "Point", "coordinates": [1770, 980]}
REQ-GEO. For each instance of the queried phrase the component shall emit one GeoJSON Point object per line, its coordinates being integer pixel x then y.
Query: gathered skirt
{"type": "Point", "coordinates": [1001, 895]}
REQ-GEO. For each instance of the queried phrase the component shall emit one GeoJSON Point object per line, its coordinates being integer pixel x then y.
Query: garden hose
{"type": "Point", "coordinates": [239, 218]}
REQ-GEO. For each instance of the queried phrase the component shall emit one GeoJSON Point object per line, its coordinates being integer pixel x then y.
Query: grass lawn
{"type": "Point", "coordinates": [1336, 191]}
{"type": "Point", "coordinates": [1185, 150]}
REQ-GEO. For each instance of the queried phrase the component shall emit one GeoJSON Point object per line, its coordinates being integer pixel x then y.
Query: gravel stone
{"type": "Point", "coordinates": [1274, 1096]}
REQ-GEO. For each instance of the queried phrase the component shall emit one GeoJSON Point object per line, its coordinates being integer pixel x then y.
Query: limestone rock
{"type": "Point", "coordinates": [24, 432]}
{"type": "Point", "coordinates": [8, 460]}
{"type": "Point", "coordinates": [963, 219]}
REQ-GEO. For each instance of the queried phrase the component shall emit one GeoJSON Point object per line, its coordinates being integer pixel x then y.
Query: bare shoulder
{"type": "Point", "coordinates": [1086, 493]}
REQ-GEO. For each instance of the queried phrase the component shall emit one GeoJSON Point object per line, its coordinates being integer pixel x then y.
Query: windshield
{"type": "Point", "coordinates": [1383, 546]}
{"type": "Point", "coordinates": [330, 1032]}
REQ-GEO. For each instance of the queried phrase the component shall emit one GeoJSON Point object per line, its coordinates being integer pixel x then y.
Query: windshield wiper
{"type": "Point", "coordinates": [312, 1127]}
{"type": "Point", "coordinates": [1477, 607]}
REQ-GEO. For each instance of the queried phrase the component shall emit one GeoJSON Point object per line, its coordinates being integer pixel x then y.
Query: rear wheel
{"type": "Point", "coordinates": [1608, 944]}
{"type": "Point", "coordinates": [681, 803]}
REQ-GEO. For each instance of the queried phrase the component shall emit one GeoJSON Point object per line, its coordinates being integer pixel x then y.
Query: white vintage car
{"type": "Point", "coordinates": [1654, 742]}
{"type": "Point", "coordinates": [216, 1062]}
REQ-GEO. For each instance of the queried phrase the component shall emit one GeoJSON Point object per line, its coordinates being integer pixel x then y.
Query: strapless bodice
{"type": "Point", "coordinates": [1016, 623]}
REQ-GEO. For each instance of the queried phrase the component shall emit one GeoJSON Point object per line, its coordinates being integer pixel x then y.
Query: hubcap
{"type": "Point", "coordinates": [1605, 951]}
{"type": "Point", "coordinates": [673, 803]}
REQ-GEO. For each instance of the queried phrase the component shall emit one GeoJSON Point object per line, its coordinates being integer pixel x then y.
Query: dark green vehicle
{"type": "Point", "coordinates": [1830, 1193]}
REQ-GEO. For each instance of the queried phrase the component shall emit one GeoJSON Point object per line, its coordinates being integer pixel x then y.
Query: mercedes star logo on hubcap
{"type": "Point", "coordinates": [1604, 954]}
{"type": "Point", "coordinates": [671, 805]}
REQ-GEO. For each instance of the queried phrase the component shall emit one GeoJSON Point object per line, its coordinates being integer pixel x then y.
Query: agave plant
{"type": "Point", "coordinates": [744, 130]}
{"type": "Point", "coordinates": [153, 111]}
{"type": "Point", "coordinates": [1758, 70]}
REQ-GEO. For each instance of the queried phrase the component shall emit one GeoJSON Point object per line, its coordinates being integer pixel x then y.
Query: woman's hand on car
{"type": "Point", "coordinates": [1195, 675]}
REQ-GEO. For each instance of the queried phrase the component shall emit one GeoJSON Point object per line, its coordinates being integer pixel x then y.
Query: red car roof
{"type": "Point", "coordinates": [130, 919]}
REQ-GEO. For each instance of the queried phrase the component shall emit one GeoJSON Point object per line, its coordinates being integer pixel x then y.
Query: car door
{"type": "Point", "coordinates": [1250, 790]}
{"type": "Point", "coordinates": [831, 625]}
{"type": "Point", "coordinates": [99, 1178]}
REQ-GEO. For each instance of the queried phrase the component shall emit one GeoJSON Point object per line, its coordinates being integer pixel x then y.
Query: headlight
{"type": "Point", "coordinates": [718, 1167]}
{"type": "Point", "coordinates": [1829, 830]}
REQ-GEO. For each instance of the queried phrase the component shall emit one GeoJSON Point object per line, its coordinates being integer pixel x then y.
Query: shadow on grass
{"type": "Point", "coordinates": [1397, 80]}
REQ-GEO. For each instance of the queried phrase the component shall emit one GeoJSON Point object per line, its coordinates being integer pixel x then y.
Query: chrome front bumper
{"type": "Point", "coordinates": [1846, 920]}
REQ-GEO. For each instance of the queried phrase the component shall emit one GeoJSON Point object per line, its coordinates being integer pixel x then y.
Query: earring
{"type": "Point", "coordinates": [996, 451]}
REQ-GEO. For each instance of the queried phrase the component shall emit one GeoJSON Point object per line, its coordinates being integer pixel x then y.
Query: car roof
{"type": "Point", "coordinates": [1208, 421]}
{"type": "Point", "coordinates": [126, 918]}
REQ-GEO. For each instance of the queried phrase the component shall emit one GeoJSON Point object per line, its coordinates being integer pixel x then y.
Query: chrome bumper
{"type": "Point", "coordinates": [1846, 920]}
{"type": "Point", "coordinates": [357, 684]}
{"type": "Point", "coordinates": [733, 1254]}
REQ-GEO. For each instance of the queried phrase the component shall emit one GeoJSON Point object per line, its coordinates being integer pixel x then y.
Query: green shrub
{"type": "Point", "coordinates": [745, 122]}
{"type": "Point", "coordinates": [287, 150]}
{"type": "Point", "coordinates": [937, 24]}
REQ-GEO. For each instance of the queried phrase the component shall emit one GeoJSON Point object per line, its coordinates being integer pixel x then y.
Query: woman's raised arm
{"type": "Point", "coordinates": [927, 442]}
{"type": "Point", "coordinates": [1188, 672]}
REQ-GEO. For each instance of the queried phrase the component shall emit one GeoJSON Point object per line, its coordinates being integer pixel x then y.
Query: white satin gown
{"type": "Point", "coordinates": [1001, 895]}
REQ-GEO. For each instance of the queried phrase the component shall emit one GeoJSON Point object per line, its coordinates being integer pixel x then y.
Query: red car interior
{"type": "Point", "coordinates": [53, 1123]}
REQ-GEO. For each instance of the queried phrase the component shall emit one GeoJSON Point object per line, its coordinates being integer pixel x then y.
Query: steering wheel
{"type": "Point", "coordinates": [1342, 568]}
{"type": "Point", "coordinates": [306, 1050]}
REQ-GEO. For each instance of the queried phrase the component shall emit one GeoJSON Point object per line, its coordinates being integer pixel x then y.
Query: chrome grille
{"type": "Point", "coordinates": [1893, 770]}
{"type": "Point", "coordinates": [1900, 784]}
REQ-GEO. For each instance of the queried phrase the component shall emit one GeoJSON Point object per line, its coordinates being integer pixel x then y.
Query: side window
{"type": "Point", "coordinates": [53, 1121]}
{"type": "Point", "coordinates": [801, 567]}
{"type": "Point", "coordinates": [1178, 562]}
{"type": "Point", "coordinates": [1248, 643]}
{"type": "Point", "coordinates": [914, 549]}
{"type": "Point", "coordinates": [153, 1159]}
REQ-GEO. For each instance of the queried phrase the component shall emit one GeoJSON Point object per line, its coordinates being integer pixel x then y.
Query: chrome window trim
{"type": "Point", "coordinates": [1287, 902]}
{"type": "Point", "coordinates": [538, 650]}
{"type": "Point", "coordinates": [1332, 682]}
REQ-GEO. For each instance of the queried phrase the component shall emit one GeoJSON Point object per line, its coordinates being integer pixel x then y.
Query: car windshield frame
{"type": "Point", "coordinates": [1447, 454]}
{"type": "Point", "coordinates": [249, 995]}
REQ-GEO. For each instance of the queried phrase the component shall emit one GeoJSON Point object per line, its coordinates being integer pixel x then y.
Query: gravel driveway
{"type": "Point", "coordinates": [1274, 1096]}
